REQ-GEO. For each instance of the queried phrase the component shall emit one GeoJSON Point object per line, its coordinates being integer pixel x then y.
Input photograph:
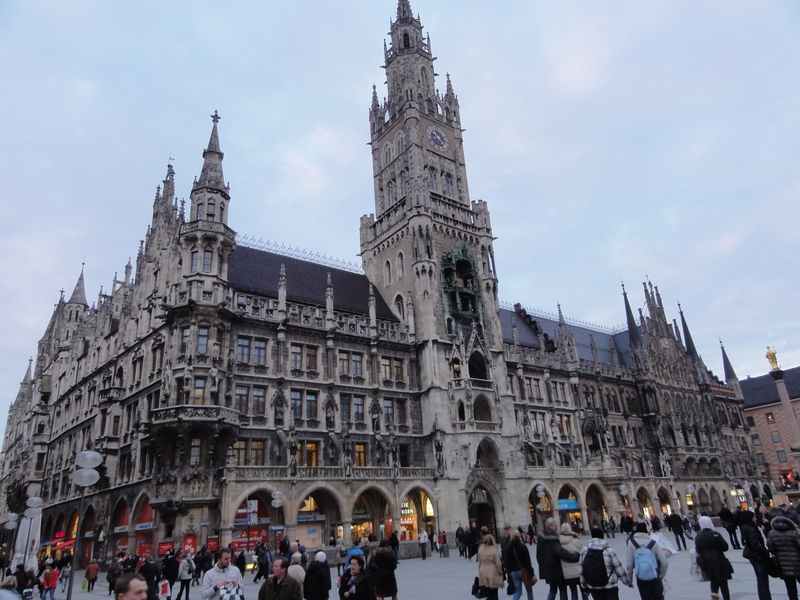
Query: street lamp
{"type": "Point", "coordinates": [32, 512]}
{"type": "Point", "coordinates": [85, 475]}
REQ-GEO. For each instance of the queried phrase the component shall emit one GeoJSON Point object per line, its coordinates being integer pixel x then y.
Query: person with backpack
{"type": "Point", "coordinates": [601, 569]}
{"type": "Point", "coordinates": [784, 542]}
{"type": "Point", "coordinates": [649, 562]}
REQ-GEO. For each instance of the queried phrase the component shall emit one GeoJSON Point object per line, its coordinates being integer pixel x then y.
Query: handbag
{"type": "Point", "coordinates": [478, 590]}
{"type": "Point", "coordinates": [232, 592]}
{"type": "Point", "coordinates": [695, 572]}
{"type": "Point", "coordinates": [773, 568]}
{"type": "Point", "coordinates": [510, 589]}
{"type": "Point", "coordinates": [527, 576]}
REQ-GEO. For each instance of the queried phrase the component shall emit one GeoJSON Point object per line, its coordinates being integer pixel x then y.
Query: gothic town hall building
{"type": "Point", "coordinates": [236, 393]}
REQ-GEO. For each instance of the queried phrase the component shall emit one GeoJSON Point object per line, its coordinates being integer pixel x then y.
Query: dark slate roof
{"type": "Point", "coordinates": [257, 271]}
{"type": "Point", "coordinates": [602, 340]}
{"type": "Point", "coordinates": [761, 390]}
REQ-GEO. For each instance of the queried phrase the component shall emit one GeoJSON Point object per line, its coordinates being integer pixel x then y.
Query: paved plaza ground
{"type": "Point", "coordinates": [451, 579]}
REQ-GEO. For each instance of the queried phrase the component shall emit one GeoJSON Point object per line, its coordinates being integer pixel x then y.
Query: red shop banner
{"type": "Point", "coordinates": [165, 547]}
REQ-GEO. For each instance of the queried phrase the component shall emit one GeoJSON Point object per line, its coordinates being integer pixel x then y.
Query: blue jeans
{"type": "Point", "coordinates": [53, 592]}
{"type": "Point", "coordinates": [516, 577]}
{"type": "Point", "coordinates": [762, 580]}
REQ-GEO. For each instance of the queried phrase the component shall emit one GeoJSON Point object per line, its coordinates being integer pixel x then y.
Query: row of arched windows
{"type": "Point", "coordinates": [208, 212]}
{"type": "Point", "coordinates": [443, 181]}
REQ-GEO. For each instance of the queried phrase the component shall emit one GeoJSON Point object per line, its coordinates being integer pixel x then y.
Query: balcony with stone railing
{"type": "Point", "coordinates": [334, 473]}
{"type": "Point", "coordinates": [194, 413]}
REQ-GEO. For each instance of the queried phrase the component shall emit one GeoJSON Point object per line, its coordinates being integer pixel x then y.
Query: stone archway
{"type": "Point", "coordinates": [487, 456]}
{"type": "Point", "coordinates": [716, 501]}
{"type": "Point", "coordinates": [417, 512]}
{"type": "Point", "coordinates": [481, 508]}
{"type": "Point", "coordinates": [645, 503]}
{"type": "Point", "coordinates": [319, 518]}
{"type": "Point", "coordinates": [540, 504]}
{"type": "Point", "coordinates": [367, 514]}
{"type": "Point", "coordinates": [664, 501]}
{"type": "Point", "coordinates": [595, 506]}
{"type": "Point", "coordinates": [703, 500]}
{"type": "Point", "coordinates": [569, 509]}
{"type": "Point", "coordinates": [117, 539]}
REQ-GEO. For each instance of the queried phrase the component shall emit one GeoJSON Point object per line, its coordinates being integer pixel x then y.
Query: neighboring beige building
{"type": "Point", "coordinates": [226, 383]}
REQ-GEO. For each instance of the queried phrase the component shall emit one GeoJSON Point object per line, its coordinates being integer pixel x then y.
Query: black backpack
{"type": "Point", "coordinates": [594, 568]}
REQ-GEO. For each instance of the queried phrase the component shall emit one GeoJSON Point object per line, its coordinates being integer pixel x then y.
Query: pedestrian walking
{"type": "Point", "coordinates": [756, 552]}
{"type": "Point", "coordinates": [490, 567]}
{"type": "Point", "coordinates": [784, 543]}
{"type": "Point", "coordinates": [49, 581]}
{"type": "Point", "coordinates": [517, 560]}
{"type": "Point", "coordinates": [92, 569]}
{"type": "Point", "coordinates": [295, 569]}
{"type": "Point", "coordinates": [711, 558]}
{"type": "Point", "coordinates": [646, 560]}
{"type": "Point", "coordinates": [64, 576]}
{"type": "Point", "coordinates": [186, 570]}
{"type": "Point", "coordinates": [384, 565]}
{"type": "Point", "coordinates": [222, 576]}
{"type": "Point", "coordinates": [356, 583]}
{"type": "Point", "coordinates": [601, 569]}
{"type": "Point", "coordinates": [572, 570]}
{"type": "Point", "coordinates": [280, 586]}
{"type": "Point", "coordinates": [675, 524]}
{"type": "Point", "coordinates": [112, 576]}
{"type": "Point", "coordinates": [422, 539]}
{"type": "Point", "coordinates": [549, 554]}
{"type": "Point", "coordinates": [729, 523]}
{"type": "Point", "coordinates": [317, 584]}
{"type": "Point", "coordinates": [395, 544]}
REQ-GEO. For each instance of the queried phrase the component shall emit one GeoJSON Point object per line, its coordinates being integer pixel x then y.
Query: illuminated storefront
{"type": "Point", "coordinates": [568, 509]}
{"type": "Point", "coordinates": [251, 525]}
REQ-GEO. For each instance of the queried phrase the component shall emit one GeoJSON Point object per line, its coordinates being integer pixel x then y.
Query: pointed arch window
{"type": "Point", "coordinates": [387, 271]}
{"type": "Point", "coordinates": [401, 267]}
{"type": "Point", "coordinates": [194, 261]}
{"type": "Point", "coordinates": [391, 193]}
{"type": "Point", "coordinates": [403, 184]}
{"type": "Point", "coordinates": [199, 213]}
{"type": "Point", "coordinates": [387, 156]}
{"type": "Point", "coordinates": [423, 76]}
{"type": "Point", "coordinates": [433, 184]}
{"type": "Point", "coordinates": [448, 185]}
{"type": "Point", "coordinates": [406, 41]}
{"type": "Point", "coordinates": [208, 258]}
{"type": "Point", "coordinates": [399, 305]}
{"type": "Point", "coordinates": [211, 211]}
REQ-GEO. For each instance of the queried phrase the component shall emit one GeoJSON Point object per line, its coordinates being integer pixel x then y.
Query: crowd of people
{"type": "Point", "coordinates": [365, 570]}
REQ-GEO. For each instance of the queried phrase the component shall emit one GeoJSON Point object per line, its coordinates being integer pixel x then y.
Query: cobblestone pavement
{"type": "Point", "coordinates": [451, 579]}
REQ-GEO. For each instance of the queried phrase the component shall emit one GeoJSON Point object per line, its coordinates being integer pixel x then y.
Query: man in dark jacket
{"type": "Point", "coordinates": [675, 524]}
{"type": "Point", "coordinates": [549, 554]}
{"type": "Point", "coordinates": [626, 526]}
{"type": "Point", "coordinates": [729, 523]}
{"type": "Point", "coordinates": [280, 586]}
{"type": "Point", "coordinates": [170, 568]}
{"type": "Point", "coordinates": [756, 552]}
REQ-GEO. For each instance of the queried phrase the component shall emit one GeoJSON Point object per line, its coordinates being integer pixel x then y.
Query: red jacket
{"type": "Point", "coordinates": [50, 580]}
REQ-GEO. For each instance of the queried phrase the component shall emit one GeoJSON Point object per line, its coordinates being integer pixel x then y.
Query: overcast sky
{"type": "Point", "coordinates": [613, 141]}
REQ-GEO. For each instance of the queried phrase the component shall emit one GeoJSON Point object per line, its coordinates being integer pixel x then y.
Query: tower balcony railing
{"type": "Point", "coordinates": [194, 412]}
{"type": "Point", "coordinates": [214, 226]}
{"type": "Point", "coordinates": [333, 473]}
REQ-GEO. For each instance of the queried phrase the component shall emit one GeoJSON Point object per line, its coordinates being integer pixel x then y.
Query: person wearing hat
{"type": "Point", "coordinates": [317, 583]}
{"type": "Point", "coordinates": [711, 549]}
{"type": "Point", "coordinates": [756, 552]}
{"type": "Point", "coordinates": [784, 543]}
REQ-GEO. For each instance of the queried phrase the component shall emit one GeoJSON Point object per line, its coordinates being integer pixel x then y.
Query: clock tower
{"type": "Point", "coordinates": [428, 247]}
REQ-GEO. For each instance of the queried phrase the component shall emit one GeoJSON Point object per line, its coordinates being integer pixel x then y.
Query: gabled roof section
{"type": "Point", "coordinates": [256, 271]}
{"type": "Point", "coordinates": [761, 390]}
{"type": "Point", "coordinates": [603, 340]}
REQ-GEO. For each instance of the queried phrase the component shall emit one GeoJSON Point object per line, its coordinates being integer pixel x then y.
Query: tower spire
{"type": "Point", "coordinates": [404, 10]}
{"type": "Point", "coordinates": [211, 176]}
{"type": "Point", "coordinates": [730, 374]}
{"type": "Point", "coordinates": [633, 330]}
{"type": "Point", "coordinates": [79, 293]}
{"type": "Point", "coordinates": [687, 337]}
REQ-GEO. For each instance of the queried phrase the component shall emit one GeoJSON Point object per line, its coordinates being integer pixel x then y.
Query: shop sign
{"type": "Point", "coordinates": [205, 524]}
{"type": "Point", "coordinates": [567, 504]}
{"type": "Point", "coordinates": [361, 514]}
{"type": "Point", "coordinates": [121, 529]}
{"type": "Point", "coordinates": [309, 517]}
{"type": "Point", "coordinates": [143, 526]}
{"type": "Point", "coordinates": [165, 547]}
{"type": "Point", "coordinates": [212, 543]}
{"type": "Point", "coordinates": [277, 527]}
{"type": "Point", "coordinates": [254, 521]}
{"type": "Point", "coordinates": [190, 544]}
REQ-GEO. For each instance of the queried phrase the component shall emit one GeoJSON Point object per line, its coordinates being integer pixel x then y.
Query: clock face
{"type": "Point", "coordinates": [437, 138]}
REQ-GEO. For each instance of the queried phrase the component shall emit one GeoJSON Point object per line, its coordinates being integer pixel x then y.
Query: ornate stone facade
{"type": "Point", "coordinates": [342, 403]}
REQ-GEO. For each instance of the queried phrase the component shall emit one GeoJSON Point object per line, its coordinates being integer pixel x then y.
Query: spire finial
{"type": "Point", "coordinates": [215, 117]}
